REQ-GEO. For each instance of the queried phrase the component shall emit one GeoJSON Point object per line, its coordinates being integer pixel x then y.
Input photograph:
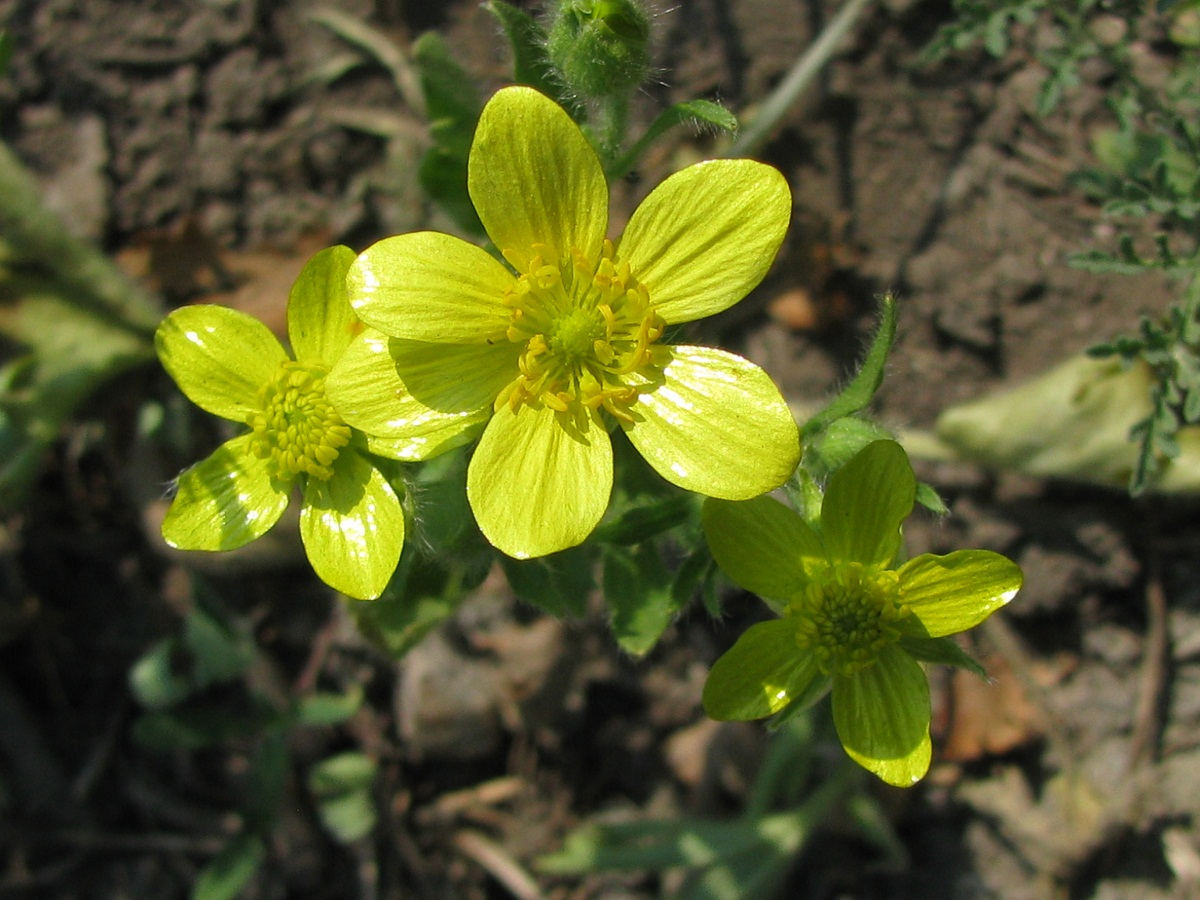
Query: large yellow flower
{"type": "Point", "coordinates": [547, 357]}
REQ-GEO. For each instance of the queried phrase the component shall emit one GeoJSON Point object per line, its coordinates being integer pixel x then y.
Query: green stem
{"type": "Point", "coordinates": [613, 121]}
{"type": "Point", "coordinates": [38, 235]}
{"type": "Point", "coordinates": [797, 81]}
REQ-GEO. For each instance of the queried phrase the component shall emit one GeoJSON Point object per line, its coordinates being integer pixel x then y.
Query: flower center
{"type": "Point", "coordinates": [587, 329]}
{"type": "Point", "coordinates": [298, 431]}
{"type": "Point", "coordinates": [847, 615]}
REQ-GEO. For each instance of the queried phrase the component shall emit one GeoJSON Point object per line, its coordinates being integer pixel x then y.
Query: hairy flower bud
{"type": "Point", "coordinates": [601, 47]}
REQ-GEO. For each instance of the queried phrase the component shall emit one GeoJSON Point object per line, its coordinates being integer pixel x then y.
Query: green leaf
{"type": "Point", "coordinates": [452, 105]}
{"type": "Point", "coordinates": [645, 522]}
{"type": "Point", "coordinates": [558, 584]}
{"type": "Point", "coordinates": [194, 727]}
{"type": "Point", "coordinates": [421, 596]}
{"type": "Point", "coordinates": [218, 652]}
{"type": "Point", "coordinates": [444, 179]}
{"type": "Point", "coordinates": [348, 817]}
{"type": "Point", "coordinates": [269, 773]}
{"type": "Point", "coordinates": [153, 680]}
{"type": "Point", "coordinates": [531, 65]}
{"type": "Point", "coordinates": [692, 574]}
{"type": "Point", "coordinates": [324, 708]}
{"type": "Point", "coordinates": [637, 589]}
{"type": "Point", "coordinates": [72, 351]}
{"type": "Point", "coordinates": [231, 870]}
{"type": "Point", "coordinates": [861, 390]}
{"type": "Point", "coordinates": [701, 113]}
{"type": "Point", "coordinates": [342, 788]}
{"type": "Point", "coordinates": [342, 773]}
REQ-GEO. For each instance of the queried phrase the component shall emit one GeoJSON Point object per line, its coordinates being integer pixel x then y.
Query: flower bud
{"type": "Point", "coordinates": [600, 47]}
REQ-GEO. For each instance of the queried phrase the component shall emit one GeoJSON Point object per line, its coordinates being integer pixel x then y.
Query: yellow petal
{"type": "Point", "coordinates": [536, 487]}
{"type": "Point", "coordinates": [225, 501]}
{"type": "Point", "coordinates": [320, 320]}
{"type": "Point", "coordinates": [428, 286]}
{"type": "Point", "coordinates": [706, 236]}
{"type": "Point", "coordinates": [715, 424]}
{"type": "Point", "coordinates": [353, 528]}
{"type": "Point", "coordinates": [534, 179]}
{"type": "Point", "coordinates": [219, 357]}
{"type": "Point", "coordinates": [442, 401]}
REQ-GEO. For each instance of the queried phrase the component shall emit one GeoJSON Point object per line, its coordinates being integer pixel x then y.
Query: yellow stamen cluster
{"type": "Point", "coordinates": [298, 430]}
{"type": "Point", "coordinates": [586, 326]}
{"type": "Point", "coordinates": [845, 616]}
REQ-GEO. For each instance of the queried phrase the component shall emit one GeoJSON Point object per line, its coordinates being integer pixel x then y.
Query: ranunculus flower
{"type": "Point", "coordinates": [851, 622]}
{"type": "Point", "coordinates": [545, 356]}
{"type": "Point", "coordinates": [230, 364]}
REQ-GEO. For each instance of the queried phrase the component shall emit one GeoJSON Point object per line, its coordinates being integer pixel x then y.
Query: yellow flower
{"type": "Point", "coordinates": [229, 363]}
{"type": "Point", "coordinates": [546, 358]}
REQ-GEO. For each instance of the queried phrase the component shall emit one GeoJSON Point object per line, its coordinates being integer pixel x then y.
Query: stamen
{"type": "Point", "coordinates": [586, 325]}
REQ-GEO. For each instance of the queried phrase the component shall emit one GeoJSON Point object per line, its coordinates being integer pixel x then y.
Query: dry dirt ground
{"type": "Point", "coordinates": [197, 140]}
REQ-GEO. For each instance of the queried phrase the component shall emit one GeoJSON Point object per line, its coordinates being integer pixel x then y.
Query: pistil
{"type": "Point", "coordinates": [587, 326]}
{"type": "Point", "coordinates": [297, 430]}
{"type": "Point", "coordinates": [847, 615]}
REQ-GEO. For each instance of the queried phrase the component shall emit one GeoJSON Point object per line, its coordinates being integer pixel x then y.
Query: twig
{"type": "Point", "coordinates": [38, 235]}
{"type": "Point", "coordinates": [498, 863]}
{"type": "Point", "coordinates": [797, 81]}
{"type": "Point", "coordinates": [1147, 716]}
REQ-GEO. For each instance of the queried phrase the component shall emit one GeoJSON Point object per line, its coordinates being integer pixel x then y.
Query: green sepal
{"type": "Point", "coordinates": [857, 395]}
{"type": "Point", "coordinates": [805, 700]}
{"type": "Point", "coordinates": [929, 498]}
{"type": "Point", "coordinates": [702, 113]}
{"type": "Point", "coordinates": [942, 651]}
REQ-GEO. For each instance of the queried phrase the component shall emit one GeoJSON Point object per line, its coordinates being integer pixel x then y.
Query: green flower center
{"type": "Point", "coordinates": [847, 615]}
{"type": "Point", "coordinates": [298, 431]}
{"type": "Point", "coordinates": [587, 327]}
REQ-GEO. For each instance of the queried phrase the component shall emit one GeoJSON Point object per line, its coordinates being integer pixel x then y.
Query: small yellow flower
{"type": "Point", "coordinates": [852, 624]}
{"type": "Point", "coordinates": [545, 358]}
{"type": "Point", "coordinates": [230, 364]}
